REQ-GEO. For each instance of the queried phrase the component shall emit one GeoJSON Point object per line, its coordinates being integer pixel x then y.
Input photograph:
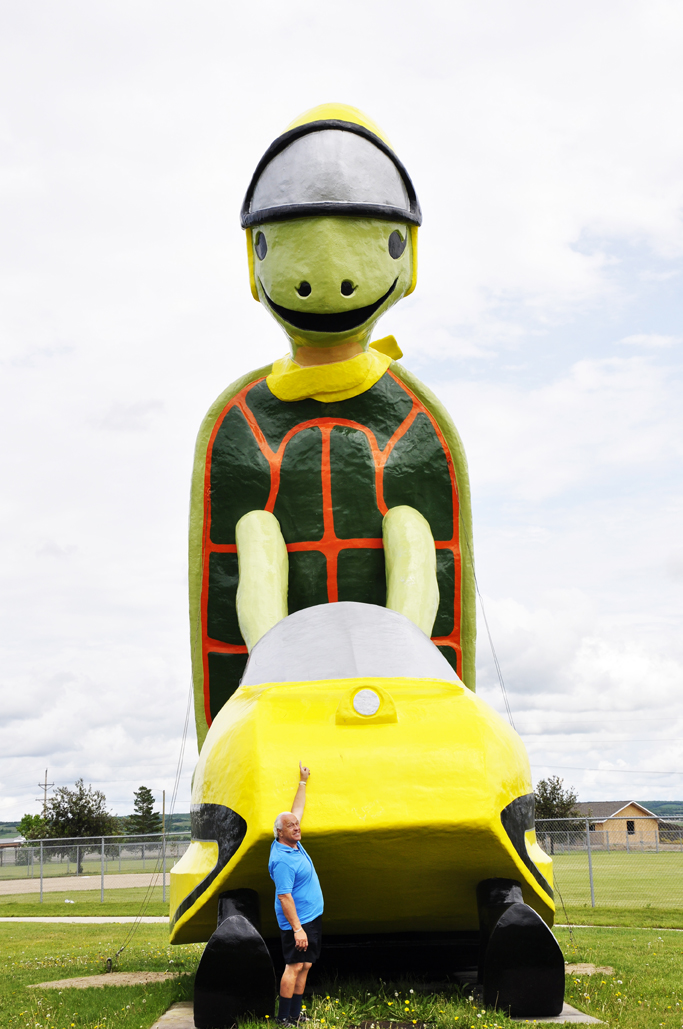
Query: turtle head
{"type": "Point", "coordinates": [331, 218]}
{"type": "Point", "coordinates": [327, 280]}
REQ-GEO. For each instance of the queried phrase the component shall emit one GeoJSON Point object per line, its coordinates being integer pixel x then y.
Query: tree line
{"type": "Point", "coordinates": [83, 812]}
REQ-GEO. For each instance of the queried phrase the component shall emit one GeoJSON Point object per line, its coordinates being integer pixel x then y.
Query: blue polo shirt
{"type": "Point", "coordinates": [292, 871]}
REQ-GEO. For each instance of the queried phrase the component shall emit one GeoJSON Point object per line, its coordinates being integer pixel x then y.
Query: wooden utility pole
{"type": "Point", "coordinates": [45, 786]}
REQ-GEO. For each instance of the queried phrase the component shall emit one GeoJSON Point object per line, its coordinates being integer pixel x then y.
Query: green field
{"type": "Point", "coordinates": [663, 918]}
{"type": "Point", "coordinates": [644, 990]}
{"type": "Point", "coordinates": [39, 953]}
{"type": "Point", "coordinates": [620, 879]}
{"type": "Point", "coordinates": [86, 902]}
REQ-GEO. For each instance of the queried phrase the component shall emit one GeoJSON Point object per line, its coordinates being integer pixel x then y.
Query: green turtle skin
{"type": "Point", "coordinates": [314, 465]}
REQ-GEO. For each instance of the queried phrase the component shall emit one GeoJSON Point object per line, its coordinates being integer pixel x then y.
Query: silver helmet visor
{"type": "Point", "coordinates": [330, 171]}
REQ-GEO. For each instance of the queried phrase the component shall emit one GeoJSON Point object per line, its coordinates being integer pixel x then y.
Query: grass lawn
{"type": "Point", "coordinates": [664, 918]}
{"type": "Point", "coordinates": [38, 953]}
{"type": "Point", "coordinates": [621, 879]}
{"type": "Point", "coordinates": [86, 902]}
{"type": "Point", "coordinates": [645, 991]}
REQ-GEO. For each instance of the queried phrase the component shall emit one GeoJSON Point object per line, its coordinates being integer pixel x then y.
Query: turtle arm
{"type": "Point", "coordinates": [263, 575]}
{"type": "Point", "coordinates": [410, 556]}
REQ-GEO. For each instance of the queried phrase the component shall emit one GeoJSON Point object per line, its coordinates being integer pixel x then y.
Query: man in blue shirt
{"type": "Point", "coordinates": [298, 904]}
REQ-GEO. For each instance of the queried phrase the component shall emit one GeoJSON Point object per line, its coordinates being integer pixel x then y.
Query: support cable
{"type": "Point", "coordinates": [154, 879]}
{"type": "Point", "coordinates": [179, 768]}
{"type": "Point", "coordinates": [496, 662]}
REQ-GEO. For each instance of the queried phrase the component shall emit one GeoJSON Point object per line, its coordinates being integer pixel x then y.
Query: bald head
{"type": "Point", "coordinates": [287, 829]}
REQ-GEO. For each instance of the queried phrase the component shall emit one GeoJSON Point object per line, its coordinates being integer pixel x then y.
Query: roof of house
{"type": "Point", "coordinates": [609, 808]}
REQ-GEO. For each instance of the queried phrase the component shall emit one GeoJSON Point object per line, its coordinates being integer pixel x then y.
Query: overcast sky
{"type": "Point", "coordinates": [545, 144]}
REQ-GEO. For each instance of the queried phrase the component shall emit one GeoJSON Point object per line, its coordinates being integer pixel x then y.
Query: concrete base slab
{"type": "Point", "coordinates": [86, 982]}
{"type": "Point", "coordinates": [178, 1016]}
{"type": "Point", "coordinates": [569, 1015]}
{"type": "Point", "coordinates": [181, 1016]}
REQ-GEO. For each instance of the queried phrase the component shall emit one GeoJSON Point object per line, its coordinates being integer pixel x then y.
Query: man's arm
{"type": "Point", "coordinates": [299, 802]}
{"type": "Point", "coordinates": [289, 911]}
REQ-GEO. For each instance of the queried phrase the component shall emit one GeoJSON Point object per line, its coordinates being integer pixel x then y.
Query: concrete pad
{"type": "Point", "coordinates": [181, 1016]}
{"type": "Point", "coordinates": [178, 1016]}
{"type": "Point", "coordinates": [87, 982]}
{"type": "Point", "coordinates": [584, 968]}
{"type": "Point", "coordinates": [569, 1015]}
{"type": "Point", "coordinates": [93, 919]}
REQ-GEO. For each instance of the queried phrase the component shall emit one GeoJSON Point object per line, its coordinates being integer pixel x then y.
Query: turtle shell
{"type": "Point", "coordinates": [329, 472]}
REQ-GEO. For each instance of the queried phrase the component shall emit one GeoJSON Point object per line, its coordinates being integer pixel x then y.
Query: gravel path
{"type": "Point", "coordinates": [93, 919]}
{"type": "Point", "coordinates": [71, 883]}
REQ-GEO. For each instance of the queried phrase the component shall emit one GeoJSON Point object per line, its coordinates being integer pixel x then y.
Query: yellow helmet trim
{"type": "Point", "coordinates": [250, 259]}
{"type": "Point", "coordinates": [413, 242]}
{"type": "Point", "coordinates": [338, 112]}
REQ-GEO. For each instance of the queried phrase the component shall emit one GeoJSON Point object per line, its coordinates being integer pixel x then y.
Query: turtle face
{"type": "Point", "coordinates": [327, 280]}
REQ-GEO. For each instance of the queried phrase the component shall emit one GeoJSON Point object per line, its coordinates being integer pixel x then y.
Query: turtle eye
{"type": "Point", "coordinates": [261, 247]}
{"type": "Point", "coordinates": [396, 244]}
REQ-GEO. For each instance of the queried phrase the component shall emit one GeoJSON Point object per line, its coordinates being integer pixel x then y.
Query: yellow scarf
{"type": "Point", "coordinates": [329, 382]}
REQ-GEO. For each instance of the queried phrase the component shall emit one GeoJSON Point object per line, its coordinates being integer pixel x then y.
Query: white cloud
{"type": "Point", "coordinates": [599, 419]}
{"type": "Point", "coordinates": [651, 340]}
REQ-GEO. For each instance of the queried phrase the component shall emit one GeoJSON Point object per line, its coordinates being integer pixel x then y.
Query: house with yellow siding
{"type": "Point", "coordinates": [621, 824]}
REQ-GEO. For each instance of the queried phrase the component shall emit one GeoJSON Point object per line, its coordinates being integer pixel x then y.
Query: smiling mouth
{"type": "Point", "coordinates": [339, 321]}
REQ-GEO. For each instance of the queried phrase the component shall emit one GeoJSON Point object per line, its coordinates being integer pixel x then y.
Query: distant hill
{"type": "Point", "coordinates": [180, 822]}
{"type": "Point", "coordinates": [664, 808]}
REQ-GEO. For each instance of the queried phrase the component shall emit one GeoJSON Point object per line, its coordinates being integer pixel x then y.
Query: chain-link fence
{"type": "Point", "coordinates": [65, 864]}
{"type": "Point", "coordinates": [615, 862]}
{"type": "Point", "coordinates": [620, 862]}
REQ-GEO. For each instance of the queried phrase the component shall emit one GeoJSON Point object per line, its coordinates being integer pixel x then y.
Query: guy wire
{"type": "Point", "coordinates": [179, 768]}
{"type": "Point", "coordinates": [486, 623]}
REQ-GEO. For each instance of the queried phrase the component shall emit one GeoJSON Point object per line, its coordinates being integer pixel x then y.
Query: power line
{"type": "Point", "coordinates": [612, 771]}
{"type": "Point", "coordinates": [609, 743]}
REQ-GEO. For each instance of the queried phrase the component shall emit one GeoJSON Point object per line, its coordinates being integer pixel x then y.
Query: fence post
{"type": "Point", "coordinates": [102, 873]}
{"type": "Point", "coordinates": [590, 862]}
{"type": "Point", "coordinates": [41, 871]}
{"type": "Point", "coordinates": [163, 848]}
{"type": "Point", "coordinates": [657, 840]}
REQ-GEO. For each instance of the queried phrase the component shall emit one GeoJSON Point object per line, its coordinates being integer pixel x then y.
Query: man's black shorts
{"type": "Point", "coordinates": [314, 931]}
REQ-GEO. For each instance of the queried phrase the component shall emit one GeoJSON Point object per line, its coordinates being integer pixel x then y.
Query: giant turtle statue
{"type": "Point", "coordinates": [332, 616]}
